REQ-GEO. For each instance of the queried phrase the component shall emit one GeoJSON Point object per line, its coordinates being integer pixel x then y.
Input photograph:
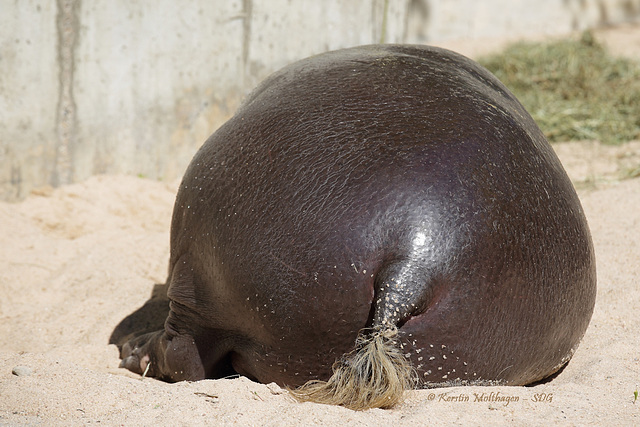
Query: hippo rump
{"type": "Point", "coordinates": [373, 219]}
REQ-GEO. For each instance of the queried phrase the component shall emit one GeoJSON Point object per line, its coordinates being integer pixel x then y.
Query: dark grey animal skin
{"type": "Point", "coordinates": [378, 185]}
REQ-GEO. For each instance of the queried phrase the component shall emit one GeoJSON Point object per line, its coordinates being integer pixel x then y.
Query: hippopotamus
{"type": "Point", "coordinates": [374, 218]}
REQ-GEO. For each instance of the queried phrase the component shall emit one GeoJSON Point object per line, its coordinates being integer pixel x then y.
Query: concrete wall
{"type": "Point", "coordinates": [114, 86]}
{"type": "Point", "coordinates": [28, 95]}
{"type": "Point", "coordinates": [442, 20]}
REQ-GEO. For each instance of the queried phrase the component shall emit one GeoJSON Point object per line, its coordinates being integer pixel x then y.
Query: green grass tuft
{"type": "Point", "coordinates": [574, 89]}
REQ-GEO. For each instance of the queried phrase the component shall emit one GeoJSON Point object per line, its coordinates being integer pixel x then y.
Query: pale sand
{"type": "Point", "coordinates": [76, 260]}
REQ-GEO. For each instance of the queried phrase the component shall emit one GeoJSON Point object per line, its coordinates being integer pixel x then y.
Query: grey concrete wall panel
{"type": "Point", "coordinates": [29, 89]}
{"type": "Point", "coordinates": [151, 80]}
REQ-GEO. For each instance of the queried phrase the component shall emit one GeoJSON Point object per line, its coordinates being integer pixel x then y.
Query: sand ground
{"type": "Point", "coordinates": [74, 261]}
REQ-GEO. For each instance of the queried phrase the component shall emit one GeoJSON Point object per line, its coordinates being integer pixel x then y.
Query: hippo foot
{"type": "Point", "coordinates": [156, 354]}
{"type": "Point", "coordinates": [135, 355]}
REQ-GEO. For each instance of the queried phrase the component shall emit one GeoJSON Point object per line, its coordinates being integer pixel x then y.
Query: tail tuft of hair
{"type": "Point", "coordinates": [374, 375]}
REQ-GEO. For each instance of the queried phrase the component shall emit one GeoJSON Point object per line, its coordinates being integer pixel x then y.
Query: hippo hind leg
{"type": "Point", "coordinates": [183, 349]}
{"type": "Point", "coordinates": [164, 348]}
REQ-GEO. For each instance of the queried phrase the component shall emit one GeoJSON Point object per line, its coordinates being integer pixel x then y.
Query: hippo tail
{"type": "Point", "coordinates": [376, 373]}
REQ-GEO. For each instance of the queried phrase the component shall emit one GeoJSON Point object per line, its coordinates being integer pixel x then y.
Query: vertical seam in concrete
{"type": "Point", "coordinates": [374, 22]}
{"type": "Point", "coordinates": [405, 21]}
{"type": "Point", "coordinates": [67, 25]}
{"type": "Point", "coordinates": [383, 30]}
{"type": "Point", "coordinates": [247, 6]}
{"type": "Point", "coordinates": [378, 20]}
